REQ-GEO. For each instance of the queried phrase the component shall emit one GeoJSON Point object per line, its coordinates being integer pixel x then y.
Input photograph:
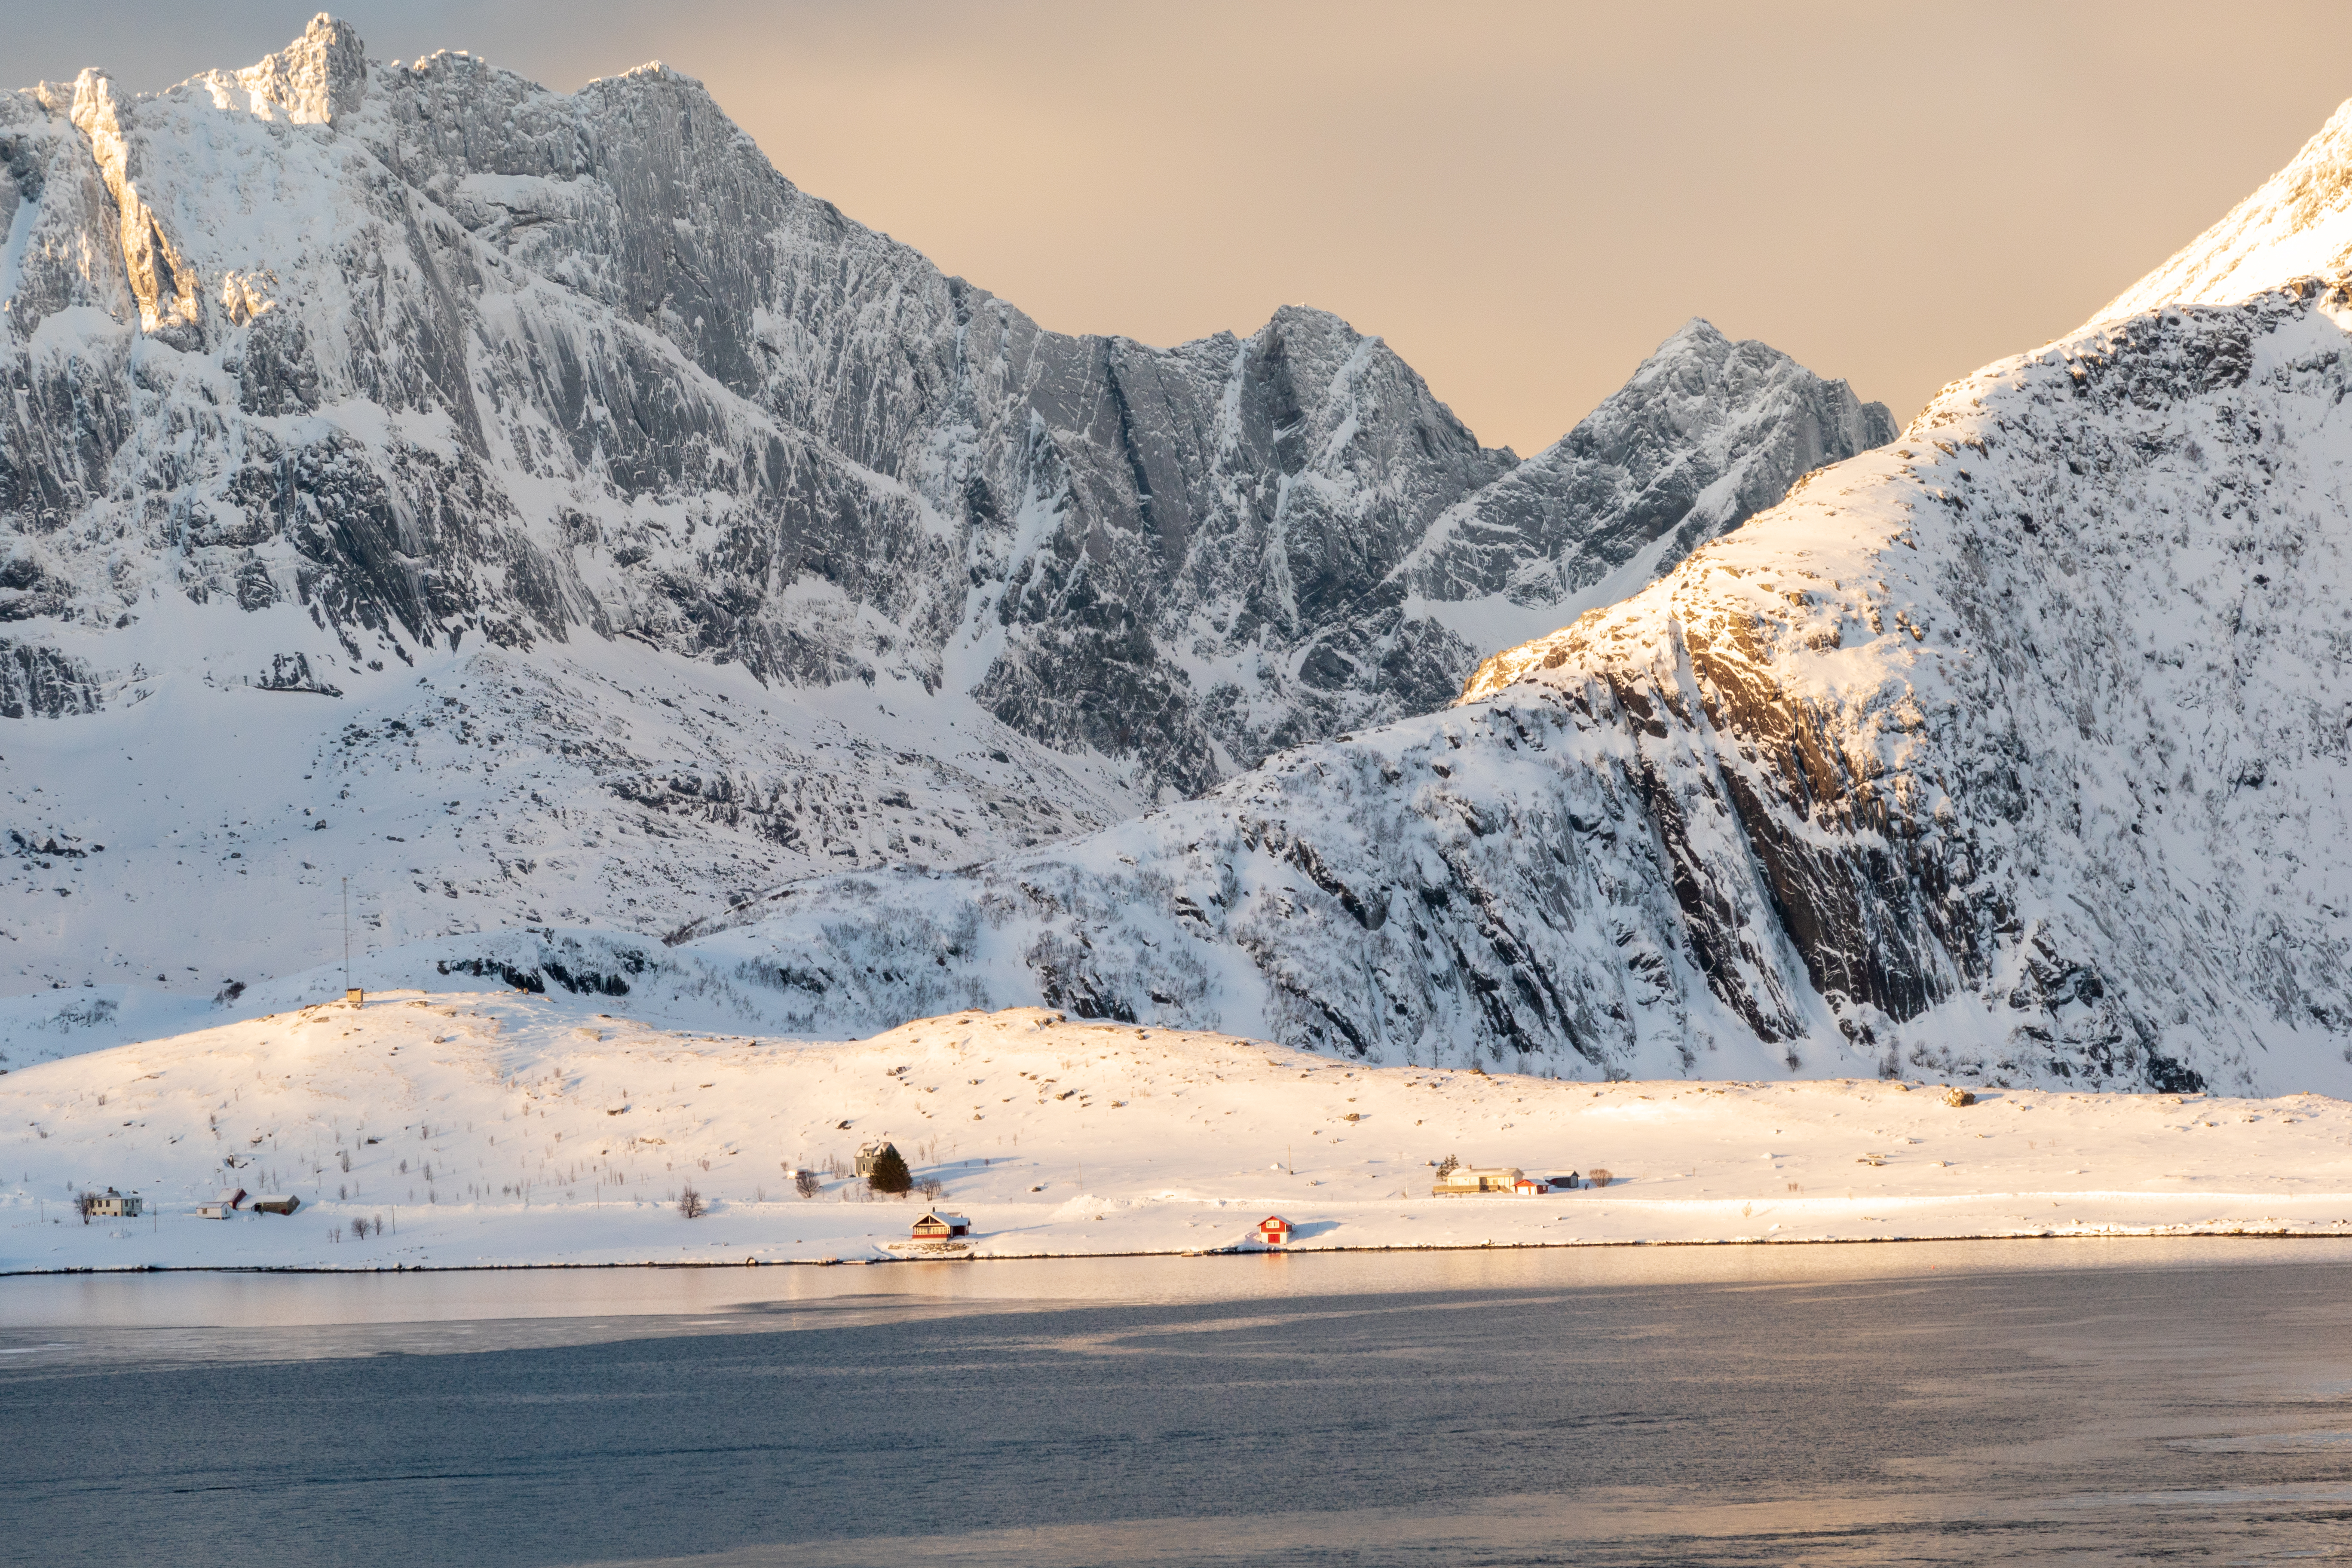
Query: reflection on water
{"type": "Point", "coordinates": [2084, 1402]}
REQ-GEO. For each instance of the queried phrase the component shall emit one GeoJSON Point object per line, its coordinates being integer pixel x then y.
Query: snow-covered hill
{"type": "Point", "coordinates": [2014, 751]}
{"type": "Point", "coordinates": [488, 1128]}
{"type": "Point", "coordinates": [589, 526]}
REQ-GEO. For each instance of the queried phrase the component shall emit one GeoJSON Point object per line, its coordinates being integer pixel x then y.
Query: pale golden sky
{"type": "Point", "coordinates": [1522, 199]}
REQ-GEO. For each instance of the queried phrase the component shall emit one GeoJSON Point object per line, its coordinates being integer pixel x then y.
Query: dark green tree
{"type": "Point", "coordinates": [890, 1174]}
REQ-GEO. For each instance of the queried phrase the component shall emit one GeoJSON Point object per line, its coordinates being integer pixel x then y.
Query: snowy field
{"type": "Point", "coordinates": [495, 1127]}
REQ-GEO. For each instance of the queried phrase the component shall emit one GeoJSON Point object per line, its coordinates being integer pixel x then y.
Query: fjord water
{"type": "Point", "coordinates": [2035, 1402]}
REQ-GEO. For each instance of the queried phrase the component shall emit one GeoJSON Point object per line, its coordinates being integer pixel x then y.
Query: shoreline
{"type": "Point", "coordinates": [2235, 1232]}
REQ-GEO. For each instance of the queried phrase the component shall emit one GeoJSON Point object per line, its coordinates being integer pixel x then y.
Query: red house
{"type": "Point", "coordinates": [937, 1227]}
{"type": "Point", "coordinates": [1274, 1230]}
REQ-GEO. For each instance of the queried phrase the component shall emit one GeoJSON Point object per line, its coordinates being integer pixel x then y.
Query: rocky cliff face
{"type": "Point", "coordinates": [551, 467]}
{"type": "Point", "coordinates": [2012, 751]}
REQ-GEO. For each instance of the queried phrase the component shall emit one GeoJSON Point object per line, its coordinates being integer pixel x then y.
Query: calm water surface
{"type": "Point", "coordinates": [2070, 1403]}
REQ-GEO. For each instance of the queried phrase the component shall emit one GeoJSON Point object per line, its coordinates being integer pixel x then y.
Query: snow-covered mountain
{"type": "Point", "coordinates": [534, 508]}
{"type": "Point", "coordinates": [2016, 750]}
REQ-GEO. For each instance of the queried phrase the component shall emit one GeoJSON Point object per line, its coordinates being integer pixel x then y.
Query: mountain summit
{"type": "Point", "coordinates": [2298, 225]}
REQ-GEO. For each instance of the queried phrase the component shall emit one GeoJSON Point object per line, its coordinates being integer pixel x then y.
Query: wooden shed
{"type": "Point", "coordinates": [937, 1227]}
{"type": "Point", "coordinates": [1274, 1230]}
{"type": "Point", "coordinates": [277, 1203]}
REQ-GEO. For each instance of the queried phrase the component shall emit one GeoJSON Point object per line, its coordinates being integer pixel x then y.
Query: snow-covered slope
{"type": "Point", "coordinates": [495, 1128]}
{"type": "Point", "coordinates": [2299, 225]}
{"type": "Point", "coordinates": [2013, 751]}
{"type": "Point", "coordinates": [407, 444]}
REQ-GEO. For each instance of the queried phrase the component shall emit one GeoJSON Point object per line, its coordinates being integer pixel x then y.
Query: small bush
{"type": "Point", "coordinates": [1598, 1178]}
{"type": "Point", "coordinates": [807, 1184]}
{"type": "Point", "coordinates": [690, 1204]}
{"type": "Point", "coordinates": [890, 1174]}
{"type": "Point", "coordinates": [931, 1187]}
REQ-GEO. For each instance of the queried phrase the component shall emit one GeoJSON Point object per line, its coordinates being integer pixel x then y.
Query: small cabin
{"type": "Point", "coordinates": [937, 1227]}
{"type": "Point", "coordinates": [1529, 1187]}
{"type": "Point", "coordinates": [277, 1203]}
{"type": "Point", "coordinates": [1467, 1179]}
{"type": "Point", "coordinates": [870, 1155]}
{"type": "Point", "coordinates": [229, 1198]}
{"type": "Point", "coordinates": [1274, 1230]}
{"type": "Point", "coordinates": [213, 1211]}
{"type": "Point", "coordinates": [111, 1205]}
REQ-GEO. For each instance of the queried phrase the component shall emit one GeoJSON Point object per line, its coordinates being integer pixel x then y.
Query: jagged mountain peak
{"type": "Point", "coordinates": [1707, 431]}
{"type": "Point", "coordinates": [2298, 224]}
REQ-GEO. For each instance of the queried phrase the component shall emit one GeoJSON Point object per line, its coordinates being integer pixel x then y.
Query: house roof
{"type": "Point", "coordinates": [936, 1217]}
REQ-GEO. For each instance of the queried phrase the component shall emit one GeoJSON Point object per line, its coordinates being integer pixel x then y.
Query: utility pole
{"type": "Point", "coordinates": [350, 992]}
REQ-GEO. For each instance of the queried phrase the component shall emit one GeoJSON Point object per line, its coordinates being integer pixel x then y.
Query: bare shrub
{"type": "Point", "coordinates": [807, 1184]}
{"type": "Point", "coordinates": [931, 1187]}
{"type": "Point", "coordinates": [1599, 1177]}
{"type": "Point", "coordinates": [690, 1203]}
